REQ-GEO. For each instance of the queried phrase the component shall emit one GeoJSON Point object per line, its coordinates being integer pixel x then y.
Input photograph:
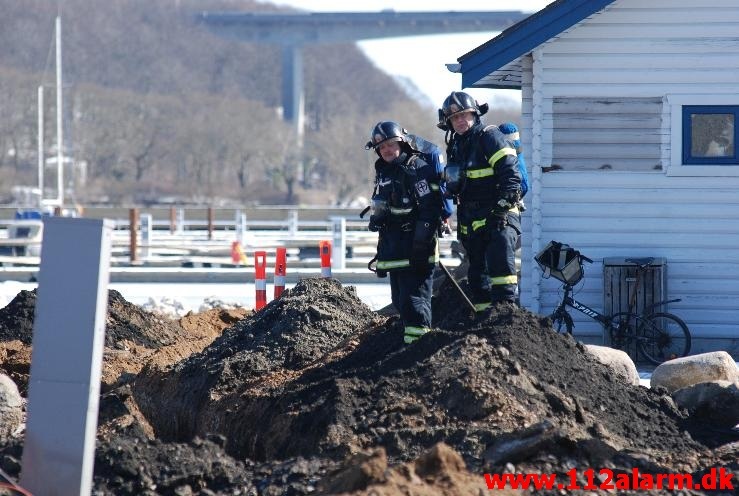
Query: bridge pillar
{"type": "Point", "coordinates": [292, 89]}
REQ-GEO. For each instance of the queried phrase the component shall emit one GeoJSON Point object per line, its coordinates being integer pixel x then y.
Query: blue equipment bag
{"type": "Point", "coordinates": [432, 154]}
{"type": "Point", "coordinates": [510, 130]}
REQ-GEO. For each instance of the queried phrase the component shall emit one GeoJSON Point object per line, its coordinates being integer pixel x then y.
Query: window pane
{"type": "Point", "coordinates": [712, 135]}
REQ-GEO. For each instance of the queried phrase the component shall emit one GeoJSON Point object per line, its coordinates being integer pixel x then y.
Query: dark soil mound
{"type": "Point", "coordinates": [16, 318]}
{"type": "Point", "coordinates": [300, 327]}
{"type": "Point", "coordinates": [504, 379]}
{"type": "Point", "coordinates": [126, 322]}
{"type": "Point", "coordinates": [315, 377]}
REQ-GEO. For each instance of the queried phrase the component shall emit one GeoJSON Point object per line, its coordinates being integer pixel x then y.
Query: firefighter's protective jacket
{"type": "Point", "coordinates": [411, 190]}
{"type": "Point", "coordinates": [490, 168]}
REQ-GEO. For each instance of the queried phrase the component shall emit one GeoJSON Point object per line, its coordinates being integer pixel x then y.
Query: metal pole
{"type": "Point", "coordinates": [459, 289]}
{"type": "Point", "coordinates": [41, 144]}
{"type": "Point", "coordinates": [59, 125]}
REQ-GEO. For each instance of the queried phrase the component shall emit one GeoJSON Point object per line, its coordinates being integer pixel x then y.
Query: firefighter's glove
{"type": "Point", "coordinates": [498, 219]}
{"type": "Point", "coordinates": [375, 224]}
{"type": "Point", "coordinates": [507, 201]}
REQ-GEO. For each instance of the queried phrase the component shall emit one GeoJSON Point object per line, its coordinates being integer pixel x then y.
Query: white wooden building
{"type": "Point", "coordinates": [628, 112]}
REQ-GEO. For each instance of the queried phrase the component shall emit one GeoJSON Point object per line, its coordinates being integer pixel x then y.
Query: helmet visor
{"type": "Point", "coordinates": [378, 139]}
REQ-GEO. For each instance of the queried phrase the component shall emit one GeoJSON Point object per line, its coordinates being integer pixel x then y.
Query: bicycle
{"type": "Point", "coordinates": [658, 336]}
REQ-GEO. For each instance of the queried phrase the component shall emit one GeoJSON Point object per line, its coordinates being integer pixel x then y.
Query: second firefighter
{"type": "Point", "coordinates": [406, 212]}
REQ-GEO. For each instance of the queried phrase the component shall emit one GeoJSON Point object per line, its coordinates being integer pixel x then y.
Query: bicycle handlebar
{"type": "Point", "coordinates": [586, 259]}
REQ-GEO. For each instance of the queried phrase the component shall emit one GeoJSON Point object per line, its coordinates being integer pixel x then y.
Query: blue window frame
{"type": "Point", "coordinates": [710, 134]}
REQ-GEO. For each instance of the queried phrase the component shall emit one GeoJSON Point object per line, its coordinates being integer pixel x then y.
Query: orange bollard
{"type": "Point", "coordinates": [324, 247]}
{"type": "Point", "coordinates": [280, 270]}
{"type": "Point", "coordinates": [235, 258]}
{"type": "Point", "coordinates": [260, 278]}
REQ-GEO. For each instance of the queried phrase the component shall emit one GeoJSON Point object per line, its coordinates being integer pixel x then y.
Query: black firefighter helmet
{"type": "Point", "coordinates": [456, 102]}
{"type": "Point", "coordinates": [386, 131]}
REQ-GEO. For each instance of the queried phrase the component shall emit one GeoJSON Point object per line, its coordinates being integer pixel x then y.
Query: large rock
{"type": "Point", "coordinates": [686, 371]}
{"type": "Point", "coordinates": [11, 407]}
{"type": "Point", "coordinates": [618, 361]}
{"type": "Point", "coordinates": [716, 402]}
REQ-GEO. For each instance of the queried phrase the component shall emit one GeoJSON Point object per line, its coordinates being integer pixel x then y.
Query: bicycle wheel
{"type": "Point", "coordinates": [562, 322]}
{"type": "Point", "coordinates": [663, 336]}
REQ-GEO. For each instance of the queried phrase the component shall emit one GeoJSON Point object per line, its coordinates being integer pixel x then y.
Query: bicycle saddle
{"type": "Point", "coordinates": [641, 262]}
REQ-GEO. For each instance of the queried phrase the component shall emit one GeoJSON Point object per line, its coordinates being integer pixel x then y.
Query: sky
{"type": "Point", "coordinates": [428, 73]}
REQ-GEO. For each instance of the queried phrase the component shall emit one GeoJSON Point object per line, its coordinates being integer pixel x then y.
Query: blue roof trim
{"type": "Point", "coordinates": [523, 37]}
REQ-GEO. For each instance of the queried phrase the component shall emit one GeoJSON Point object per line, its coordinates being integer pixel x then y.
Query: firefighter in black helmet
{"type": "Point", "coordinates": [406, 211]}
{"type": "Point", "coordinates": [482, 173]}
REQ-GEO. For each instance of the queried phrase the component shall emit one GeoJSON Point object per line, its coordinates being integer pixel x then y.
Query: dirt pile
{"type": "Point", "coordinates": [133, 337]}
{"type": "Point", "coordinates": [16, 318]}
{"type": "Point", "coordinates": [125, 322]}
{"type": "Point", "coordinates": [197, 396]}
{"type": "Point", "coordinates": [316, 394]}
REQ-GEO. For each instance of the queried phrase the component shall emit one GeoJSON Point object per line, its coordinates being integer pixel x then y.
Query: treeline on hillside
{"type": "Point", "coordinates": [157, 105]}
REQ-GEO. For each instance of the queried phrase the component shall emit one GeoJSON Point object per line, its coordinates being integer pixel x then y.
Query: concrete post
{"type": "Point", "coordinates": [240, 227]}
{"type": "Point", "coordinates": [292, 222]}
{"type": "Point", "coordinates": [180, 220]}
{"type": "Point", "coordinates": [147, 227]}
{"type": "Point", "coordinates": [338, 255]}
{"type": "Point", "coordinates": [68, 339]}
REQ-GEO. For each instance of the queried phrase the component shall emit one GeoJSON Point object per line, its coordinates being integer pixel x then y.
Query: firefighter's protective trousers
{"type": "Point", "coordinates": [411, 292]}
{"type": "Point", "coordinates": [492, 263]}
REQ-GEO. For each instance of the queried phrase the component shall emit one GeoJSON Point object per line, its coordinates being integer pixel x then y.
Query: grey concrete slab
{"type": "Point", "coordinates": [66, 363]}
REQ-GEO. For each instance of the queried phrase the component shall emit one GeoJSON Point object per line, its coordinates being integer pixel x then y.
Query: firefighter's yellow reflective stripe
{"type": "Point", "coordinates": [415, 331]}
{"type": "Point", "coordinates": [479, 307]}
{"type": "Point", "coordinates": [433, 186]}
{"type": "Point", "coordinates": [435, 257]}
{"type": "Point", "coordinates": [500, 280]}
{"type": "Point", "coordinates": [477, 224]}
{"type": "Point", "coordinates": [412, 334]}
{"type": "Point", "coordinates": [512, 136]}
{"type": "Point", "coordinates": [478, 173]}
{"type": "Point", "coordinates": [392, 264]}
{"type": "Point", "coordinates": [400, 211]}
{"type": "Point", "coordinates": [463, 229]}
{"type": "Point", "coordinates": [500, 154]}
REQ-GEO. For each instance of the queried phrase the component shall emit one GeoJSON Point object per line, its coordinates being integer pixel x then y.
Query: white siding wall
{"type": "Point", "coordinates": [650, 50]}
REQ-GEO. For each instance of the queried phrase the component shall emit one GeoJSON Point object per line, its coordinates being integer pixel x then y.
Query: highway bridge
{"type": "Point", "coordinates": [293, 30]}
